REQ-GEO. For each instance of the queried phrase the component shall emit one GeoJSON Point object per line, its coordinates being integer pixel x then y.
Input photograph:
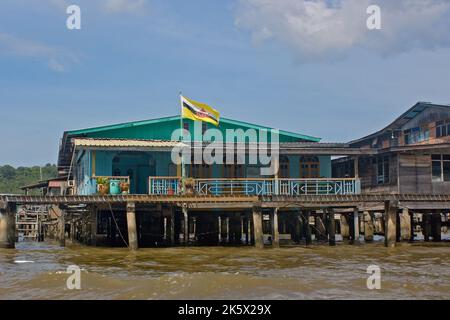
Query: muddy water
{"type": "Point", "coordinates": [37, 271]}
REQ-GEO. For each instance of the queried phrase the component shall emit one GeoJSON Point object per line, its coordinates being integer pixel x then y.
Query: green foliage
{"type": "Point", "coordinates": [11, 179]}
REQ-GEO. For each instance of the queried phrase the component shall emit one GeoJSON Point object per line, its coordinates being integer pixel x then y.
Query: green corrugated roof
{"type": "Point", "coordinates": [177, 118]}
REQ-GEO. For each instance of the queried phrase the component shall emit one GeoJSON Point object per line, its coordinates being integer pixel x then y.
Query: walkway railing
{"type": "Point", "coordinates": [258, 187]}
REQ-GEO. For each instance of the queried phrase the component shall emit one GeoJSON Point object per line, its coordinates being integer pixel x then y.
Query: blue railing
{"type": "Point", "coordinates": [258, 187]}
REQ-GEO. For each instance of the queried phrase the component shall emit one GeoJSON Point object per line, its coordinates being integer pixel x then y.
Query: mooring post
{"type": "Point", "coordinates": [275, 231]}
{"type": "Point", "coordinates": [7, 225]}
{"type": "Point", "coordinates": [390, 220]}
{"type": "Point", "coordinates": [186, 225]}
{"type": "Point", "coordinates": [368, 227]}
{"type": "Point", "coordinates": [131, 223]}
{"type": "Point", "coordinates": [436, 226]}
{"type": "Point", "coordinates": [331, 227]}
{"type": "Point", "coordinates": [257, 227]}
{"type": "Point", "coordinates": [405, 225]}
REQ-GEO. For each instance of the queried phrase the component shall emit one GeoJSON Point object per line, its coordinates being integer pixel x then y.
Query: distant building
{"type": "Point", "coordinates": [412, 154]}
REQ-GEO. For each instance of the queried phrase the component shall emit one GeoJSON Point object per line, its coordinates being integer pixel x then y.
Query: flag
{"type": "Point", "coordinates": [199, 111]}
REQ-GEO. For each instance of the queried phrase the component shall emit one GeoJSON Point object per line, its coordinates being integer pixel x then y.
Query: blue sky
{"type": "Point", "coordinates": [305, 66]}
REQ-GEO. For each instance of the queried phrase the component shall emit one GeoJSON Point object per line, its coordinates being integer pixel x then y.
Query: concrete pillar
{"type": "Point", "coordinates": [257, 228]}
{"type": "Point", "coordinates": [220, 228]}
{"type": "Point", "coordinates": [355, 224]}
{"type": "Point", "coordinates": [248, 232]}
{"type": "Point", "coordinates": [368, 227]}
{"type": "Point", "coordinates": [307, 228]}
{"type": "Point", "coordinates": [331, 227]}
{"type": "Point", "coordinates": [7, 225]}
{"type": "Point", "coordinates": [390, 218]}
{"type": "Point", "coordinates": [405, 225]}
{"type": "Point", "coordinates": [227, 228]}
{"type": "Point", "coordinates": [345, 229]}
{"type": "Point", "coordinates": [131, 223]}
{"type": "Point", "coordinates": [321, 233]}
{"type": "Point", "coordinates": [275, 231]}
{"type": "Point", "coordinates": [62, 229]}
{"type": "Point", "coordinates": [426, 226]}
{"type": "Point", "coordinates": [185, 225]}
{"type": "Point", "coordinates": [436, 226]}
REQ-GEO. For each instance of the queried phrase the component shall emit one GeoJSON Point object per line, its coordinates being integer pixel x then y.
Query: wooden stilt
{"type": "Point", "coordinates": [94, 224]}
{"type": "Point", "coordinates": [331, 227]}
{"type": "Point", "coordinates": [436, 226]}
{"type": "Point", "coordinates": [7, 226]}
{"type": "Point", "coordinates": [185, 225]}
{"type": "Point", "coordinates": [355, 223]}
{"type": "Point", "coordinates": [411, 219]}
{"type": "Point", "coordinates": [220, 229]}
{"type": "Point", "coordinates": [368, 227]}
{"type": "Point", "coordinates": [320, 229]}
{"type": "Point", "coordinates": [345, 228]}
{"type": "Point", "coordinates": [131, 224]}
{"type": "Point", "coordinates": [257, 228]}
{"type": "Point", "coordinates": [426, 226]}
{"type": "Point", "coordinates": [405, 225]}
{"type": "Point", "coordinates": [62, 229]}
{"type": "Point", "coordinates": [390, 229]}
{"type": "Point", "coordinates": [172, 225]}
{"type": "Point", "coordinates": [307, 228]}
{"type": "Point", "coordinates": [275, 231]}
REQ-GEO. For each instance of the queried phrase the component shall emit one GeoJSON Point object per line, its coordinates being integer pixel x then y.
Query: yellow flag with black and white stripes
{"type": "Point", "coordinates": [198, 111]}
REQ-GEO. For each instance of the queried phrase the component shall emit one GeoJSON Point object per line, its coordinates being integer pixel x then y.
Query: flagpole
{"type": "Point", "coordinates": [183, 171]}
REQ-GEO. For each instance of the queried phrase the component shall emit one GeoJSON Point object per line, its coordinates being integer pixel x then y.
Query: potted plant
{"type": "Point", "coordinates": [103, 186]}
{"type": "Point", "coordinates": [189, 186]}
{"type": "Point", "coordinates": [125, 187]}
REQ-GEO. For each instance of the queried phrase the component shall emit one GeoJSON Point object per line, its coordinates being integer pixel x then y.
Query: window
{"type": "Point", "coordinates": [284, 167]}
{"type": "Point", "coordinates": [442, 128]}
{"type": "Point", "coordinates": [382, 170]}
{"type": "Point", "coordinates": [415, 135]}
{"type": "Point", "coordinates": [440, 167]}
{"type": "Point", "coordinates": [309, 167]}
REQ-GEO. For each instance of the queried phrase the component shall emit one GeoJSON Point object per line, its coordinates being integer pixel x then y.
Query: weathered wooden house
{"type": "Point", "coordinates": [412, 154]}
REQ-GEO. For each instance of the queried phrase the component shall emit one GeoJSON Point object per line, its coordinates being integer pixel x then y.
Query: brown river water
{"type": "Point", "coordinates": [38, 271]}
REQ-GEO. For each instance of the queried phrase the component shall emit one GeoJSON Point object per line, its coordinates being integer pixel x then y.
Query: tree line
{"type": "Point", "coordinates": [11, 179]}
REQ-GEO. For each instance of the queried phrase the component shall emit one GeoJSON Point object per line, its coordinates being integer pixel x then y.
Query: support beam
{"type": "Point", "coordinates": [390, 220]}
{"type": "Point", "coordinates": [185, 225]}
{"type": "Point", "coordinates": [275, 231]}
{"type": "Point", "coordinates": [405, 225]}
{"type": "Point", "coordinates": [62, 228]}
{"type": "Point", "coordinates": [257, 228]}
{"type": "Point", "coordinates": [368, 227]}
{"type": "Point", "coordinates": [331, 227]}
{"type": "Point", "coordinates": [436, 226]}
{"type": "Point", "coordinates": [8, 226]}
{"type": "Point", "coordinates": [345, 229]}
{"type": "Point", "coordinates": [307, 227]}
{"type": "Point", "coordinates": [131, 223]}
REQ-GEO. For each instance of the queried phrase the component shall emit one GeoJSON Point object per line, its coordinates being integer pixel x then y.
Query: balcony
{"type": "Point", "coordinates": [256, 187]}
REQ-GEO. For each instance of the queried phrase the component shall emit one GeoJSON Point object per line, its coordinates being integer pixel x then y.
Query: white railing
{"type": "Point", "coordinates": [258, 187]}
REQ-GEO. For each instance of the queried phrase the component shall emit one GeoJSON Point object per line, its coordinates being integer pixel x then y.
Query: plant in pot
{"type": "Point", "coordinates": [125, 187]}
{"type": "Point", "coordinates": [103, 186]}
{"type": "Point", "coordinates": [189, 184]}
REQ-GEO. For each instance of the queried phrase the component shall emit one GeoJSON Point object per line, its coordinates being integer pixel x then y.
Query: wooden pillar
{"type": "Point", "coordinates": [227, 229]}
{"type": "Point", "coordinates": [62, 228]}
{"type": "Point", "coordinates": [307, 228]}
{"type": "Point", "coordinates": [131, 223]}
{"type": "Point", "coordinates": [7, 225]}
{"type": "Point", "coordinates": [275, 231]}
{"type": "Point", "coordinates": [247, 233]}
{"type": "Point", "coordinates": [331, 227]}
{"type": "Point", "coordinates": [185, 225]}
{"type": "Point", "coordinates": [172, 225]}
{"type": "Point", "coordinates": [426, 226]}
{"type": "Point", "coordinates": [436, 226]}
{"type": "Point", "coordinates": [368, 227]}
{"type": "Point", "coordinates": [390, 221]}
{"type": "Point", "coordinates": [220, 229]}
{"type": "Point", "coordinates": [405, 225]}
{"type": "Point", "coordinates": [94, 223]}
{"type": "Point", "coordinates": [257, 228]}
{"type": "Point", "coordinates": [345, 229]}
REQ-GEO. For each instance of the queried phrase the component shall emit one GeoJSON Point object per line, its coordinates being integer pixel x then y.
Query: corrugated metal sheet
{"type": "Point", "coordinates": [111, 143]}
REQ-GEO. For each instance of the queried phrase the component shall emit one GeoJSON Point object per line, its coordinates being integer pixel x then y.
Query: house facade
{"type": "Point", "coordinates": [412, 154]}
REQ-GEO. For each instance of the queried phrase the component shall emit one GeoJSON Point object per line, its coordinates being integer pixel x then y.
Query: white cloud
{"type": "Point", "coordinates": [320, 28]}
{"type": "Point", "coordinates": [116, 6]}
{"type": "Point", "coordinates": [57, 59]}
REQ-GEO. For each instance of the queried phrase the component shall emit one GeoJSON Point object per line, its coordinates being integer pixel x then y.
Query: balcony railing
{"type": "Point", "coordinates": [258, 187]}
